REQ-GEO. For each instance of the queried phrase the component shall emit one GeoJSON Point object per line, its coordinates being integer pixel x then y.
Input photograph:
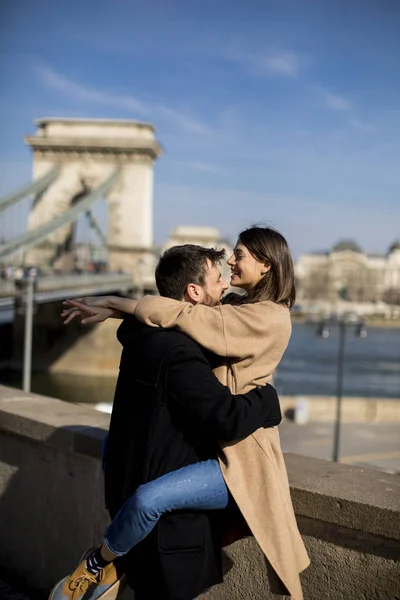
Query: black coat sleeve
{"type": "Point", "coordinates": [192, 384]}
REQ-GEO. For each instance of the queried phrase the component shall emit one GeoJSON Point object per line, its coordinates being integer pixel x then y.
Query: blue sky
{"type": "Point", "coordinates": [283, 111]}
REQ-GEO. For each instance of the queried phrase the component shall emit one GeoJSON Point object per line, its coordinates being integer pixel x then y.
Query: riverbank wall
{"type": "Point", "coordinates": [353, 410]}
{"type": "Point", "coordinates": [52, 508]}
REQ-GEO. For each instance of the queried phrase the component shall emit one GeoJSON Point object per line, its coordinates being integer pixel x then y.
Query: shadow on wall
{"type": "Point", "coordinates": [51, 503]}
{"type": "Point", "coordinates": [51, 506]}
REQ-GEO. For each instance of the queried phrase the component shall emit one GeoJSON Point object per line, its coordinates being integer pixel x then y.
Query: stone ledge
{"type": "Point", "coordinates": [59, 424]}
{"type": "Point", "coordinates": [71, 121]}
{"type": "Point", "coordinates": [359, 499]}
{"type": "Point", "coordinates": [109, 145]}
{"type": "Point", "coordinates": [352, 497]}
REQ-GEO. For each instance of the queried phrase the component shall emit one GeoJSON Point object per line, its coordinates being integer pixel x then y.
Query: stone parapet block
{"type": "Point", "coordinates": [62, 425]}
{"type": "Point", "coordinates": [353, 497]}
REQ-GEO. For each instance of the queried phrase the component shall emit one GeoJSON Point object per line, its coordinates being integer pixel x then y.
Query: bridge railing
{"type": "Point", "coordinates": [62, 281]}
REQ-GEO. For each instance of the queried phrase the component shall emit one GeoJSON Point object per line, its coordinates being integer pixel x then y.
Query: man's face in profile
{"type": "Point", "coordinates": [214, 286]}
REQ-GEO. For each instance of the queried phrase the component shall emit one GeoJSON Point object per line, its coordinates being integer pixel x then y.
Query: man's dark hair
{"type": "Point", "coordinates": [181, 265]}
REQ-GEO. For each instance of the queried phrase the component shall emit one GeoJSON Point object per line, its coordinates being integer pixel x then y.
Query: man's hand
{"type": "Point", "coordinates": [88, 313]}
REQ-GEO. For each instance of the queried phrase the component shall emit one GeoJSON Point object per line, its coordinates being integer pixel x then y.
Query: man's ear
{"type": "Point", "coordinates": [193, 292]}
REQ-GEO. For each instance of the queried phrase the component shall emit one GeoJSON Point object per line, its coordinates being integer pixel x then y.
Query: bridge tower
{"type": "Point", "coordinates": [88, 151]}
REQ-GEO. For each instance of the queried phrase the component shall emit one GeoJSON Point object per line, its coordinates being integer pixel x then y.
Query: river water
{"type": "Point", "coordinates": [309, 366]}
{"type": "Point", "coordinates": [371, 365]}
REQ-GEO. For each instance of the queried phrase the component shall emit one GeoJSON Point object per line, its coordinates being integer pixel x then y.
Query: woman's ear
{"type": "Point", "coordinates": [265, 268]}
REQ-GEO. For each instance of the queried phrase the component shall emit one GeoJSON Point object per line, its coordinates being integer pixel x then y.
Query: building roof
{"type": "Point", "coordinates": [196, 231]}
{"type": "Point", "coordinates": [347, 245]}
{"type": "Point", "coordinates": [42, 122]}
{"type": "Point", "coordinates": [394, 246]}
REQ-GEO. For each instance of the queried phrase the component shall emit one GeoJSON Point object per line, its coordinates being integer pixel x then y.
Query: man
{"type": "Point", "coordinates": [169, 411]}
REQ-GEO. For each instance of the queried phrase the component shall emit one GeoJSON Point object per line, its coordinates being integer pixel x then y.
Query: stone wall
{"type": "Point", "coordinates": [51, 509]}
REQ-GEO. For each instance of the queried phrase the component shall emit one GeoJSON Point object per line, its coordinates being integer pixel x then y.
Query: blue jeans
{"type": "Point", "coordinates": [196, 487]}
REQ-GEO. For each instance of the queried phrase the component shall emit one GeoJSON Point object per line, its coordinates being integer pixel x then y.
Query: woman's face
{"type": "Point", "coordinates": [246, 270]}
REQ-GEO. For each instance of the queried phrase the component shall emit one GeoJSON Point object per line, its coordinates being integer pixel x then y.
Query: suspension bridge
{"type": "Point", "coordinates": [85, 222]}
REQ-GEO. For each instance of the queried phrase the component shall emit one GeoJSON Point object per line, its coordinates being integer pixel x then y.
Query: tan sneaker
{"type": "Point", "coordinates": [81, 584]}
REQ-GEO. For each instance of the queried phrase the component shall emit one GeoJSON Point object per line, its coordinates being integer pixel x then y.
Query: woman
{"type": "Point", "coordinates": [251, 332]}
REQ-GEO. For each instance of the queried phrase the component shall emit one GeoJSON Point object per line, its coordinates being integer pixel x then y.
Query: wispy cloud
{"type": "Point", "coordinates": [204, 167]}
{"type": "Point", "coordinates": [64, 84]}
{"type": "Point", "coordinates": [363, 126]}
{"type": "Point", "coordinates": [128, 103]}
{"type": "Point", "coordinates": [284, 63]}
{"type": "Point", "coordinates": [334, 101]}
{"type": "Point", "coordinates": [183, 120]}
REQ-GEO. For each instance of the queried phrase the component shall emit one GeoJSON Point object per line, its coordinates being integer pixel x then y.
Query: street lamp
{"type": "Point", "coordinates": [323, 331]}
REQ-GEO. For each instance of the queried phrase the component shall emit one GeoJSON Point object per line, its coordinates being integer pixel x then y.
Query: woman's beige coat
{"type": "Point", "coordinates": [253, 338]}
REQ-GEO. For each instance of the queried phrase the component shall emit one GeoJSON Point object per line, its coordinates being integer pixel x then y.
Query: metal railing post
{"type": "Point", "coordinates": [339, 391]}
{"type": "Point", "coordinates": [27, 369]}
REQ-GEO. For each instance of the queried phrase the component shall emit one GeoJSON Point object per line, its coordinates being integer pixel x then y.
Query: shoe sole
{"type": "Point", "coordinates": [113, 591]}
{"type": "Point", "coordinates": [62, 581]}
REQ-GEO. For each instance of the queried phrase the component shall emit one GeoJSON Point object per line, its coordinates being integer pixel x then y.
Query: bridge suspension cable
{"type": "Point", "coordinates": [31, 238]}
{"type": "Point", "coordinates": [93, 224]}
{"type": "Point", "coordinates": [33, 187]}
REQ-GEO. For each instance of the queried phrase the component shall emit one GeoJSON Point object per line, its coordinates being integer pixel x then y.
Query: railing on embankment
{"type": "Point", "coordinates": [51, 509]}
{"type": "Point", "coordinates": [58, 287]}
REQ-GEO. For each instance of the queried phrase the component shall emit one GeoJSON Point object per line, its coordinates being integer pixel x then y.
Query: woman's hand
{"type": "Point", "coordinates": [94, 309]}
{"type": "Point", "coordinates": [88, 314]}
{"type": "Point", "coordinates": [104, 301]}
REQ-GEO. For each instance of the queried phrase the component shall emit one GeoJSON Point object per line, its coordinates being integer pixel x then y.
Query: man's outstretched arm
{"type": "Point", "coordinates": [229, 417]}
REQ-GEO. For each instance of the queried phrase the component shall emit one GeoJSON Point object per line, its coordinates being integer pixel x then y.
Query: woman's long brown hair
{"type": "Point", "coordinates": [269, 246]}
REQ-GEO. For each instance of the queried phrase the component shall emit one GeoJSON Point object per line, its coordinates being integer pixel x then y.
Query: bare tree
{"type": "Point", "coordinates": [392, 296]}
{"type": "Point", "coordinates": [316, 285]}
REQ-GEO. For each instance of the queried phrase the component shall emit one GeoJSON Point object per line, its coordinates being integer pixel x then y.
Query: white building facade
{"type": "Point", "coordinates": [346, 273]}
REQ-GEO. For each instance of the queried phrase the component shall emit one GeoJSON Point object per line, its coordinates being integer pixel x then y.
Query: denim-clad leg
{"type": "Point", "coordinates": [196, 487]}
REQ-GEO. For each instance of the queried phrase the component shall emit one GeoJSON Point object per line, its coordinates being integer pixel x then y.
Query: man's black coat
{"type": "Point", "coordinates": [169, 411]}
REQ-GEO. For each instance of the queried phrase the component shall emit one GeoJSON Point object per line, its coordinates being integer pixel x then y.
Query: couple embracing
{"type": "Point", "coordinates": [193, 458]}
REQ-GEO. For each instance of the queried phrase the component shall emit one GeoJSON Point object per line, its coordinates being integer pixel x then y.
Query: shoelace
{"type": "Point", "coordinates": [80, 584]}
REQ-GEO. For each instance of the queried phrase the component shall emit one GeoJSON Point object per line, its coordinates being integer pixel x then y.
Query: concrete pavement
{"type": "Point", "coordinates": [372, 445]}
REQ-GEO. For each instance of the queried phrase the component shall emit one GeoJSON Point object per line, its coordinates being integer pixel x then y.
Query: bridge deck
{"type": "Point", "coordinates": [58, 287]}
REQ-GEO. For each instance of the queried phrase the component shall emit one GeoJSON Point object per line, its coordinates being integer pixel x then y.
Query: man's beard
{"type": "Point", "coordinates": [209, 301]}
